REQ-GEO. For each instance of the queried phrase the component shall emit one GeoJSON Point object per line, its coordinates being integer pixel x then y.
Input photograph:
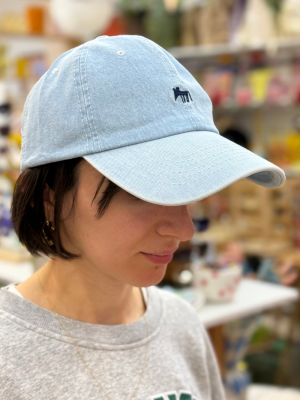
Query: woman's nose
{"type": "Point", "coordinates": [177, 222]}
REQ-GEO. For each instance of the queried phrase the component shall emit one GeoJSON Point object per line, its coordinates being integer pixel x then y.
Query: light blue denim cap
{"type": "Point", "coordinates": [140, 118]}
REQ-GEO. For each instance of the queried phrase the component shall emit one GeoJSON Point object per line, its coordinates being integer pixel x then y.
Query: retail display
{"type": "Point", "coordinates": [237, 335]}
{"type": "Point", "coordinates": [9, 169]}
{"type": "Point", "coordinates": [246, 56]}
{"type": "Point", "coordinates": [218, 283]}
{"type": "Point", "coordinates": [252, 85]}
{"type": "Point", "coordinates": [82, 20]}
{"type": "Point", "coordinates": [289, 18]}
{"type": "Point", "coordinates": [266, 216]}
{"type": "Point", "coordinates": [35, 19]}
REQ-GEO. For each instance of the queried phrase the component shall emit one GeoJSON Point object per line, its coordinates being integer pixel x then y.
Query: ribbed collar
{"type": "Point", "coordinates": [108, 337]}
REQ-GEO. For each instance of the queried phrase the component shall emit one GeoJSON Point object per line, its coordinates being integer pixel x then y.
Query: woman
{"type": "Point", "coordinates": [118, 143]}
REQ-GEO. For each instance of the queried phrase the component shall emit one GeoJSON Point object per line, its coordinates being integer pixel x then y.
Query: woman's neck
{"type": "Point", "coordinates": [84, 297]}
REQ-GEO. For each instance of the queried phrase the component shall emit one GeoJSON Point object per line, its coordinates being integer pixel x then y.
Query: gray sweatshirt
{"type": "Point", "coordinates": [39, 362]}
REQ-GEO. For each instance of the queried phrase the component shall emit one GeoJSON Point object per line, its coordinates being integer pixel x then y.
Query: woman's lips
{"type": "Point", "coordinates": [158, 259]}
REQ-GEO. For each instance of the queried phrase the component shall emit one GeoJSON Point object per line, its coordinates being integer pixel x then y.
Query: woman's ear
{"type": "Point", "coordinates": [48, 199]}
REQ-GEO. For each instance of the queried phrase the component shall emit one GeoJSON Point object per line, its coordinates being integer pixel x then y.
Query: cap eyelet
{"type": "Point", "coordinates": [120, 52]}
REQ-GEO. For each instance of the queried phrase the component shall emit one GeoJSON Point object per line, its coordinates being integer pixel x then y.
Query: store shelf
{"type": "Point", "coordinates": [233, 108]}
{"type": "Point", "coordinates": [21, 35]}
{"type": "Point", "coordinates": [218, 233]}
{"type": "Point", "coordinates": [266, 247]}
{"type": "Point", "coordinates": [208, 51]}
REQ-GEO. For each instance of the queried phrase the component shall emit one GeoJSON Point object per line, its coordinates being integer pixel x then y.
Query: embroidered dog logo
{"type": "Point", "coordinates": [184, 94]}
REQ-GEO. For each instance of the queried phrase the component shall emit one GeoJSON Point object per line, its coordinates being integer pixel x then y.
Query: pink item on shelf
{"type": "Point", "coordinates": [243, 96]}
{"type": "Point", "coordinates": [218, 285]}
{"type": "Point", "coordinates": [281, 86]}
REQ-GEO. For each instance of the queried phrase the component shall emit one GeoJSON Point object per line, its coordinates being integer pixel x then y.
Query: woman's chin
{"type": "Point", "coordinates": [150, 278]}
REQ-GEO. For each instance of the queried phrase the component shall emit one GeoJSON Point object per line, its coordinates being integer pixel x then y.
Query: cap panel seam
{"type": "Point", "coordinates": [77, 60]}
{"type": "Point", "coordinates": [87, 126]}
{"type": "Point", "coordinates": [24, 139]}
{"type": "Point", "coordinates": [91, 106]}
{"type": "Point", "coordinates": [86, 98]}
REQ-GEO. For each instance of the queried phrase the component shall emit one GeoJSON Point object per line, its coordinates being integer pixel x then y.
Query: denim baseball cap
{"type": "Point", "coordinates": [131, 110]}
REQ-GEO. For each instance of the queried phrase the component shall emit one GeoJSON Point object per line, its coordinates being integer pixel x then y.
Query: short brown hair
{"type": "Point", "coordinates": [27, 209]}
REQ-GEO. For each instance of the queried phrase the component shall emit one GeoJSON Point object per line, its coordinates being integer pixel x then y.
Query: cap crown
{"type": "Point", "coordinates": [108, 93]}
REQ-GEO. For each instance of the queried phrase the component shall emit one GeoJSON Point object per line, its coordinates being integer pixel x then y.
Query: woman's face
{"type": "Point", "coordinates": [115, 242]}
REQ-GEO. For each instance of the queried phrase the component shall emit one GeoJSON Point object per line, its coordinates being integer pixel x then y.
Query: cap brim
{"type": "Point", "coordinates": [183, 168]}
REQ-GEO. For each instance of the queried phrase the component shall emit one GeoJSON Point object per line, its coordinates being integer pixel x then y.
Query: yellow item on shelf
{"type": "Point", "coordinates": [22, 68]}
{"type": "Point", "coordinates": [242, 366]}
{"type": "Point", "coordinates": [16, 136]}
{"type": "Point", "coordinates": [259, 80]}
{"type": "Point", "coordinates": [293, 144]}
{"type": "Point", "coordinates": [3, 61]}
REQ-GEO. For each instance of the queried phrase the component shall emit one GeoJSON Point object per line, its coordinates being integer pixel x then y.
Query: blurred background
{"type": "Point", "coordinates": [241, 269]}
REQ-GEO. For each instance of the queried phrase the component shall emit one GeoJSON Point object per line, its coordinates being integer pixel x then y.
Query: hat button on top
{"type": "Point", "coordinates": [120, 52]}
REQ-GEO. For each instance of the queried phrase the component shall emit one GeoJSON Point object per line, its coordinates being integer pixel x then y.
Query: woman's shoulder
{"type": "Point", "coordinates": [13, 340]}
{"type": "Point", "coordinates": [12, 327]}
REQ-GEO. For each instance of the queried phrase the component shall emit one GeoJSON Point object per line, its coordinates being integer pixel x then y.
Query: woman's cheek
{"type": "Point", "coordinates": [143, 211]}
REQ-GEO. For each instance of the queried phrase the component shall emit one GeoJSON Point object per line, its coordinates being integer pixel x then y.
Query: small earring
{"type": "Point", "coordinates": [49, 241]}
{"type": "Point", "coordinates": [48, 223]}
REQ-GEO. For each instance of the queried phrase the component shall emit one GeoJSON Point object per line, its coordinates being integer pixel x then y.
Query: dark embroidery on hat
{"type": "Point", "coordinates": [184, 94]}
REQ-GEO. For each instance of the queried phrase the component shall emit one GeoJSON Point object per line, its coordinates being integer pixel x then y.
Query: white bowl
{"type": "Point", "coordinates": [218, 285]}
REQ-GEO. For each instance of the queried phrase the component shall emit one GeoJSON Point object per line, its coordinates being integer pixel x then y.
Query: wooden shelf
{"type": "Point", "coordinates": [253, 107]}
{"type": "Point", "coordinates": [266, 248]}
{"type": "Point", "coordinates": [21, 35]}
{"type": "Point", "coordinates": [208, 51]}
